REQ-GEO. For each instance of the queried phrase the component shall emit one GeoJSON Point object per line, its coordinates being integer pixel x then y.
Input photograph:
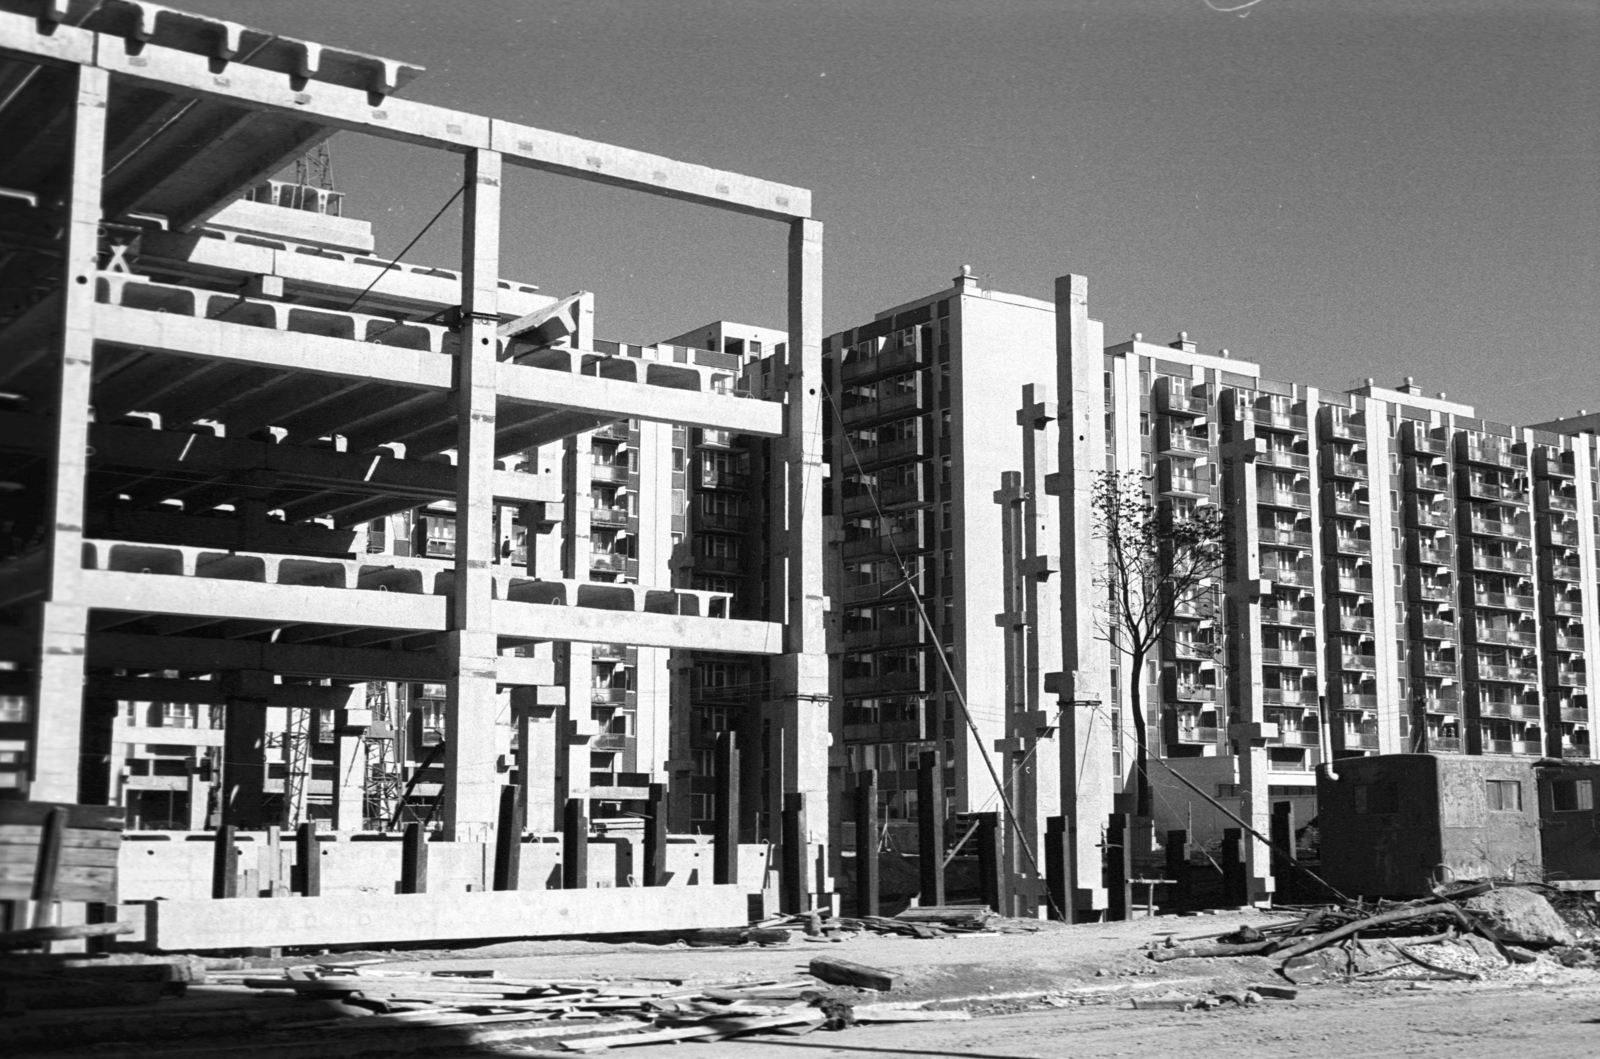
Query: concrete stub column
{"type": "Point", "coordinates": [471, 783]}
{"type": "Point", "coordinates": [350, 762]}
{"type": "Point", "coordinates": [534, 712]}
{"type": "Point", "coordinates": [53, 759]}
{"type": "Point", "coordinates": [244, 750]}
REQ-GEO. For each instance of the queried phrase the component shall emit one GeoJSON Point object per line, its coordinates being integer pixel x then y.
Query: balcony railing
{"type": "Point", "coordinates": [1575, 715]}
{"type": "Point", "coordinates": [1546, 465]}
{"type": "Point", "coordinates": [1417, 441]}
{"type": "Point", "coordinates": [1361, 740]}
{"type": "Point", "coordinates": [1489, 527]}
{"type": "Point", "coordinates": [1435, 592]}
{"type": "Point", "coordinates": [1566, 608]}
{"type": "Point", "coordinates": [1356, 702]}
{"type": "Point", "coordinates": [1180, 444]}
{"type": "Point", "coordinates": [1430, 483]}
{"type": "Point", "coordinates": [608, 696]}
{"type": "Point", "coordinates": [1439, 667]}
{"type": "Point", "coordinates": [1345, 469]}
{"type": "Point", "coordinates": [1570, 678]}
{"type": "Point", "coordinates": [1300, 659]}
{"type": "Point", "coordinates": [1504, 564]}
{"type": "Point", "coordinates": [1287, 697]}
{"type": "Point", "coordinates": [1433, 519]}
{"type": "Point", "coordinates": [1286, 538]}
{"type": "Point", "coordinates": [1439, 630]}
{"type": "Point", "coordinates": [1559, 537]}
{"type": "Point", "coordinates": [1510, 637]}
{"type": "Point", "coordinates": [1569, 572]}
{"type": "Point", "coordinates": [1288, 575]}
{"type": "Point", "coordinates": [1482, 490]}
{"type": "Point", "coordinates": [1356, 584]}
{"type": "Point", "coordinates": [716, 478]}
{"type": "Point", "coordinates": [1344, 428]}
{"type": "Point", "coordinates": [1503, 600]}
{"type": "Point", "coordinates": [1435, 556]}
{"type": "Point", "coordinates": [1195, 692]}
{"type": "Point", "coordinates": [1550, 500]}
{"type": "Point", "coordinates": [1180, 403]}
{"type": "Point", "coordinates": [1359, 662]}
{"type": "Point", "coordinates": [1494, 457]}
{"type": "Point", "coordinates": [1357, 623]}
{"type": "Point", "coordinates": [1448, 707]}
{"type": "Point", "coordinates": [1350, 506]}
{"type": "Point", "coordinates": [1567, 643]}
{"type": "Point", "coordinates": [1509, 674]}
{"type": "Point", "coordinates": [1345, 544]}
{"type": "Point", "coordinates": [1297, 737]}
{"type": "Point", "coordinates": [607, 515]}
{"type": "Point", "coordinates": [1288, 616]}
{"type": "Point", "coordinates": [1288, 459]}
{"type": "Point", "coordinates": [1576, 750]}
{"type": "Point", "coordinates": [1285, 498]}
{"type": "Point", "coordinates": [1277, 420]}
{"type": "Point", "coordinates": [608, 562]}
{"type": "Point", "coordinates": [1199, 735]}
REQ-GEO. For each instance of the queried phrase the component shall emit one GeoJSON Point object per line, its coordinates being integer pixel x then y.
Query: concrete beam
{"type": "Point", "coordinates": [297, 351]}
{"type": "Point", "coordinates": [537, 621]}
{"type": "Point", "coordinates": [619, 399]}
{"type": "Point", "coordinates": [171, 736]}
{"type": "Point", "coordinates": [134, 651]}
{"type": "Point", "coordinates": [335, 106]}
{"type": "Point", "coordinates": [290, 604]}
{"type": "Point", "coordinates": [194, 925]}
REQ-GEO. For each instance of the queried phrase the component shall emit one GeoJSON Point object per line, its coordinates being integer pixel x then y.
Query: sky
{"type": "Point", "coordinates": [1337, 189]}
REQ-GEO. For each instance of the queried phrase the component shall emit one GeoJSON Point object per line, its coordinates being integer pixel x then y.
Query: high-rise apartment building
{"type": "Point", "coordinates": [1401, 574]}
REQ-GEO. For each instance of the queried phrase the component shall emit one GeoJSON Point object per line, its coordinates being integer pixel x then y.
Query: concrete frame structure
{"type": "Point", "coordinates": [219, 433]}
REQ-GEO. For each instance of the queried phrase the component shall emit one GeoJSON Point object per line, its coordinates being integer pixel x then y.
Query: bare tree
{"type": "Point", "coordinates": [1156, 564]}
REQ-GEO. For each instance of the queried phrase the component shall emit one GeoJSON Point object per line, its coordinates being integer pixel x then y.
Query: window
{"type": "Point", "coordinates": [1503, 795]}
{"type": "Point", "coordinates": [1571, 796]}
{"type": "Point", "coordinates": [700, 806]}
{"type": "Point", "coordinates": [1227, 790]}
{"type": "Point", "coordinates": [702, 762]}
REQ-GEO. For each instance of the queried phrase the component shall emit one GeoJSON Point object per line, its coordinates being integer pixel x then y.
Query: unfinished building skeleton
{"type": "Point", "coordinates": [217, 439]}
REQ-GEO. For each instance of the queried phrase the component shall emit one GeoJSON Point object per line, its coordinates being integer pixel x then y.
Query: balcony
{"type": "Point", "coordinates": [1574, 715]}
{"type": "Point", "coordinates": [1508, 674]}
{"type": "Point", "coordinates": [1503, 601]}
{"type": "Point", "coordinates": [1578, 751]}
{"type": "Point", "coordinates": [889, 362]}
{"type": "Point", "coordinates": [1344, 505]}
{"type": "Point", "coordinates": [1431, 518]}
{"type": "Point", "coordinates": [1439, 555]}
{"type": "Point", "coordinates": [1501, 564]}
{"type": "Point", "coordinates": [1275, 420]}
{"type": "Point", "coordinates": [1194, 692]}
{"type": "Point", "coordinates": [1423, 482]}
{"type": "Point", "coordinates": [610, 652]}
{"type": "Point", "coordinates": [1563, 608]}
{"type": "Point", "coordinates": [885, 684]}
{"type": "Point", "coordinates": [1288, 459]}
{"type": "Point", "coordinates": [1558, 538]}
{"type": "Point", "coordinates": [1347, 544]}
{"type": "Point", "coordinates": [1550, 570]}
{"type": "Point", "coordinates": [1493, 456]}
{"type": "Point", "coordinates": [1424, 444]}
{"type": "Point", "coordinates": [607, 696]}
{"type": "Point", "coordinates": [1435, 592]}
{"type": "Point", "coordinates": [1337, 468]}
{"type": "Point", "coordinates": [718, 564]}
{"type": "Point", "coordinates": [887, 451]}
{"type": "Point", "coordinates": [1447, 707]}
{"type": "Point", "coordinates": [1447, 744]}
{"type": "Point", "coordinates": [1173, 441]}
{"type": "Point", "coordinates": [1568, 678]}
{"type": "Point", "coordinates": [721, 520]}
{"type": "Point", "coordinates": [1358, 663]}
{"type": "Point", "coordinates": [1554, 465]}
{"type": "Point", "coordinates": [1488, 527]}
{"type": "Point", "coordinates": [1567, 643]}
{"type": "Point", "coordinates": [893, 406]}
{"type": "Point", "coordinates": [1527, 748]}
{"type": "Point", "coordinates": [608, 562]}
{"type": "Point", "coordinates": [1296, 737]}
{"type": "Point", "coordinates": [1551, 499]}
{"type": "Point", "coordinates": [1438, 630]}
{"type": "Point", "coordinates": [1287, 697]}
{"type": "Point", "coordinates": [1294, 616]}
{"type": "Point", "coordinates": [1357, 623]}
{"type": "Point", "coordinates": [1297, 659]}
{"type": "Point", "coordinates": [1205, 736]}
{"type": "Point", "coordinates": [1179, 404]}
{"type": "Point", "coordinates": [1286, 538]}
{"type": "Point", "coordinates": [1361, 740]}
{"type": "Point", "coordinates": [1362, 585]}
{"type": "Point", "coordinates": [1288, 575]}
{"type": "Point", "coordinates": [1439, 667]}
{"type": "Point", "coordinates": [617, 431]}
{"type": "Point", "coordinates": [1509, 637]}
{"type": "Point", "coordinates": [609, 472]}
{"type": "Point", "coordinates": [886, 636]}
{"type": "Point", "coordinates": [1345, 428]}
{"type": "Point", "coordinates": [1284, 498]}
{"type": "Point", "coordinates": [717, 478]}
{"type": "Point", "coordinates": [609, 741]}
{"type": "Point", "coordinates": [1478, 489]}
{"type": "Point", "coordinates": [1182, 484]}
{"type": "Point", "coordinates": [887, 545]}
{"type": "Point", "coordinates": [606, 515]}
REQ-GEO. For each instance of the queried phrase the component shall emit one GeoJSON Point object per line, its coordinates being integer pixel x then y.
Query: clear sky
{"type": "Point", "coordinates": [1336, 188]}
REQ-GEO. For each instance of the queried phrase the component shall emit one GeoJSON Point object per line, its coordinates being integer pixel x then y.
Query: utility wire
{"type": "Point", "coordinates": [391, 264]}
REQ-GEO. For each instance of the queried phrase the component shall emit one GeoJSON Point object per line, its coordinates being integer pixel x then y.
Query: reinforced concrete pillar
{"type": "Point", "coordinates": [1087, 777]}
{"type": "Point", "coordinates": [578, 726]}
{"type": "Point", "coordinates": [471, 783]}
{"type": "Point", "coordinates": [350, 780]}
{"type": "Point", "coordinates": [803, 708]}
{"type": "Point", "coordinates": [533, 711]}
{"type": "Point", "coordinates": [244, 750]}
{"type": "Point", "coordinates": [53, 759]}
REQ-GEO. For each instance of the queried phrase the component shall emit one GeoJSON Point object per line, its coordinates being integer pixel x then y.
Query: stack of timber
{"type": "Point", "coordinates": [354, 1008]}
{"type": "Point", "coordinates": [927, 922]}
{"type": "Point", "coordinates": [53, 853]}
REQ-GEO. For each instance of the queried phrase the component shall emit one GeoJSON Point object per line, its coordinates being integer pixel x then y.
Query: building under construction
{"type": "Point", "coordinates": [298, 532]}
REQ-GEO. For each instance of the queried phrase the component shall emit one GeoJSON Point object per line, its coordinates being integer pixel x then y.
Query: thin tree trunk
{"type": "Point", "coordinates": [1141, 768]}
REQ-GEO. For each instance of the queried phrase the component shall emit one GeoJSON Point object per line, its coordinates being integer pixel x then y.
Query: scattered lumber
{"type": "Point", "coordinates": [843, 972]}
{"type": "Point", "coordinates": [33, 937]}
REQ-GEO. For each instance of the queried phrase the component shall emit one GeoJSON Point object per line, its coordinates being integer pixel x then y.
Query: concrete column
{"type": "Point", "coordinates": [577, 724]}
{"type": "Point", "coordinates": [1086, 772]}
{"type": "Point", "coordinates": [471, 784]}
{"type": "Point", "coordinates": [534, 713]}
{"type": "Point", "coordinates": [53, 762]}
{"type": "Point", "coordinates": [350, 781]}
{"type": "Point", "coordinates": [804, 707]}
{"type": "Point", "coordinates": [244, 750]}
{"type": "Point", "coordinates": [652, 678]}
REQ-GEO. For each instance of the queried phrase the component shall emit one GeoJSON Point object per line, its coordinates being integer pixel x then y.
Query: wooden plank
{"type": "Point", "coordinates": [72, 883]}
{"type": "Point", "coordinates": [843, 972]}
{"type": "Point", "coordinates": [28, 938]}
{"type": "Point", "coordinates": [72, 838]}
{"type": "Point", "coordinates": [719, 1028]}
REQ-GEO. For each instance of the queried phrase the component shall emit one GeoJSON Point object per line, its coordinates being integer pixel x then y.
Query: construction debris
{"type": "Point", "coordinates": [1465, 915]}
{"type": "Point", "coordinates": [843, 972]}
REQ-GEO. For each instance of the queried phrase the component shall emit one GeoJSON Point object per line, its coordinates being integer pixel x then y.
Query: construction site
{"type": "Point", "coordinates": [546, 692]}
